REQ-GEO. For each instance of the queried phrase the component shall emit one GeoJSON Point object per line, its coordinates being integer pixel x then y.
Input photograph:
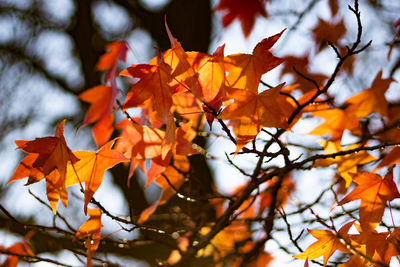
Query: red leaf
{"type": "Point", "coordinates": [245, 11]}
{"type": "Point", "coordinates": [45, 155]}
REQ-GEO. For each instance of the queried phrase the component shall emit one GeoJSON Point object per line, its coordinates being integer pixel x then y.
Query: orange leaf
{"type": "Point", "coordinates": [25, 169]}
{"type": "Point", "coordinates": [92, 230]}
{"type": "Point", "coordinates": [345, 164]}
{"type": "Point", "coordinates": [91, 168]}
{"type": "Point", "coordinates": [392, 246]}
{"type": "Point", "coordinates": [101, 109]}
{"type": "Point", "coordinates": [372, 244]}
{"type": "Point", "coordinates": [168, 142]}
{"type": "Point", "coordinates": [328, 242]}
{"type": "Point", "coordinates": [286, 188]}
{"type": "Point", "coordinates": [102, 97]}
{"type": "Point", "coordinates": [187, 105]}
{"type": "Point", "coordinates": [254, 111]}
{"type": "Point", "coordinates": [115, 51]}
{"type": "Point", "coordinates": [263, 259]}
{"type": "Point", "coordinates": [371, 99]}
{"type": "Point", "coordinates": [336, 121]}
{"type": "Point", "coordinates": [109, 61]}
{"type": "Point", "coordinates": [140, 142]}
{"type": "Point", "coordinates": [157, 167]}
{"type": "Point", "coordinates": [182, 70]}
{"type": "Point", "coordinates": [245, 70]}
{"type": "Point", "coordinates": [210, 71]}
{"type": "Point", "coordinates": [154, 84]}
{"type": "Point", "coordinates": [374, 191]}
{"type": "Point", "coordinates": [55, 191]}
{"type": "Point", "coordinates": [355, 261]}
{"type": "Point", "coordinates": [224, 242]}
{"type": "Point", "coordinates": [391, 158]}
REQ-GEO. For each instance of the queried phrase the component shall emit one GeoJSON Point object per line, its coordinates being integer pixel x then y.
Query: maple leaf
{"type": "Point", "coordinates": [355, 261]}
{"type": "Point", "coordinates": [54, 183]}
{"type": "Point", "coordinates": [245, 70]}
{"type": "Point", "coordinates": [245, 11]}
{"type": "Point", "coordinates": [374, 191]}
{"type": "Point", "coordinates": [21, 248]}
{"type": "Point", "coordinates": [348, 65]}
{"type": "Point", "coordinates": [253, 111]}
{"type": "Point", "coordinates": [45, 154]}
{"type": "Point", "coordinates": [181, 69]}
{"type": "Point", "coordinates": [153, 83]}
{"type": "Point", "coordinates": [325, 32]}
{"type": "Point", "coordinates": [101, 110]}
{"type": "Point", "coordinates": [391, 158]}
{"type": "Point", "coordinates": [334, 7]}
{"type": "Point", "coordinates": [55, 191]}
{"type": "Point", "coordinates": [371, 243]}
{"type": "Point", "coordinates": [142, 142]}
{"type": "Point", "coordinates": [201, 74]}
{"type": "Point", "coordinates": [224, 241]}
{"type": "Point", "coordinates": [391, 134]}
{"type": "Point", "coordinates": [336, 121]}
{"type": "Point", "coordinates": [92, 166]}
{"type": "Point", "coordinates": [328, 242]}
{"type": "Point", "coordinates": [139, 142]}
{"type": "Point", "coordinates": [103, 97]}
{"type": "Point", "coordinates": [109, 61]}
{"type": "Point", "coordinates": [92, 230]}
{"type": "Point", "coordinates": [391, 247]}
{"type": "Point", "coordinates": [371, 99]}
{"type": "Point", "coordinates": [210, 73]}
{"type": "Point", "coordinates": [187, 105]}
{"type": "Point", "coordinates": [345, 164]}
{"type": "Point", "coordinates": [115, 51]}
{"type": "Point", "coordinates": [25, 169]}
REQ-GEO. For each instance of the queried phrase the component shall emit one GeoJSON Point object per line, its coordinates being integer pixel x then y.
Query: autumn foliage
{"type": "Point", "coordinates": [180, 95]}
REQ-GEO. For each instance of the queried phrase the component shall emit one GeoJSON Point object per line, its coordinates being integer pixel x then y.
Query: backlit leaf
{"type": "Point", "coordinates": [92, 166]}
{"type": "Point", "coordinates": [374, 191]}
{"type": "Point", "coordinates": [328, 242]}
